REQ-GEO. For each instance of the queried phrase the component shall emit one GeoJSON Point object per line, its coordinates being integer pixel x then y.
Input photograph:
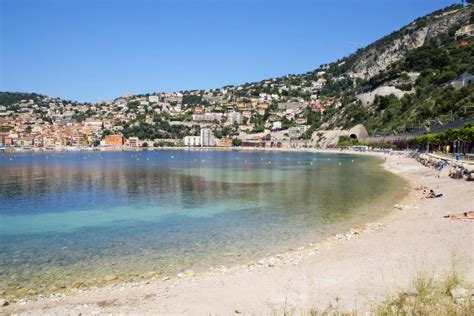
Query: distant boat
{"type": "Point", "coordinates": [3, 148]}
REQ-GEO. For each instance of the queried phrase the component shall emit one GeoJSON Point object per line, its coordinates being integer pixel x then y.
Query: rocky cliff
{"type": "Point", "coordinates": [380, 55]}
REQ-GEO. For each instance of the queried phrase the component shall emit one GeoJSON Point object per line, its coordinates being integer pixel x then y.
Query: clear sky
{"type": "Point", "coordinates": [88, 50]}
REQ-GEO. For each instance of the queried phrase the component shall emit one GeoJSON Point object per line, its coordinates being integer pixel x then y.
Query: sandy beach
{"type": "Point", "coordinates": [352, 271]}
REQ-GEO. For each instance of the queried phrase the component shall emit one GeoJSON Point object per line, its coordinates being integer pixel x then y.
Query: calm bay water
{"type": "Point", "coordinates": [68, 217]}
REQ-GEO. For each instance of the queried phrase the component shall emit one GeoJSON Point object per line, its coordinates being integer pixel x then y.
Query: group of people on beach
{"type": "Point", "coordinates": [428, 194]}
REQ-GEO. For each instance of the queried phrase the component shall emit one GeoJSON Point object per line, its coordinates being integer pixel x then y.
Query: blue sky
{"type": "Point", "coordinates": [88, 50]}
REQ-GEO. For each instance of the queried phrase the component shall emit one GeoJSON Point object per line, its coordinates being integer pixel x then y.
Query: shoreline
{"type": "Point", "coordinates": [291, 261]}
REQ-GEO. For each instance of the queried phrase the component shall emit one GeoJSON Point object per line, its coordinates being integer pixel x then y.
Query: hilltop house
{"type": "Point", "coordinates": [463, 81]}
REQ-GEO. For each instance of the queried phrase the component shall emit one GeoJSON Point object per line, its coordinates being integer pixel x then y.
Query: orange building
{"type": "Point", "coordinates": [114, 140]}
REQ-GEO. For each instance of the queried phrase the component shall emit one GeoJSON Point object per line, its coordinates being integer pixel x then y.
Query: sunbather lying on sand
{"type": "Point", "coordinates": [466, 215]}
{"type": "Point", "coordinates": [432, 194]}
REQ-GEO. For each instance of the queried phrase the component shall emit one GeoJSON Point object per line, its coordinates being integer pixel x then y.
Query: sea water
{"type": "Point", "coordinates": [69, 218]}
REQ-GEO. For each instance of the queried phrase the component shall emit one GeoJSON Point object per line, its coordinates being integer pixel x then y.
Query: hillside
{"type": "Point", "coordinates": [404, 82]}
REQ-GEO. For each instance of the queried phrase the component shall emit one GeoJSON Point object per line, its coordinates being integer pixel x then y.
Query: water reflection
{"type": "Point", "coordinates": [116, 212]}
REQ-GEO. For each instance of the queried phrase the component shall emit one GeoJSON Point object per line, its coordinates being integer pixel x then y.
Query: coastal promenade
{"type": "Point", "coordinates": [351, 271]}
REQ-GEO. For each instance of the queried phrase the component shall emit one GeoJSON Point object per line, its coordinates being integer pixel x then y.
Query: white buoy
{"type": "Point", "coordinates": [339, 163]}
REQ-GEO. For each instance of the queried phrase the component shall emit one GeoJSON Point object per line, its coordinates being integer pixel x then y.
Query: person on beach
{"type": "Point", "coordinates": [432, 194]}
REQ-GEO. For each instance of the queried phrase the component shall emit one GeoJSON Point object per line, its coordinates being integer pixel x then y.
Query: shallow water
{"type": "Point", "coordinates": [66, 217]}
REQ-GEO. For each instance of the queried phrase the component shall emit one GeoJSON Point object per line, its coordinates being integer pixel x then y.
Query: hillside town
{"type": "Point", "coordinates": [224, 117]}
{"type": "Point", "coordinates": [393, 89]}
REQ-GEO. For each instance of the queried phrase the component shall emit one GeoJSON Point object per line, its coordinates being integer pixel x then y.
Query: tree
{"type": "Point", "coordinates": [236, 142]}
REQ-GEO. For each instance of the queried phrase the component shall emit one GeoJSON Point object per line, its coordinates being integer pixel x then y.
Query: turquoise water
{"type": "Point", "coordinates": [69, 217]}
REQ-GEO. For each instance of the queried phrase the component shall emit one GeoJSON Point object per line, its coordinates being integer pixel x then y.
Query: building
{"type": "Point", "coordinates": [133, 142]}
{"type": "Point", "coordinates": [209, 117]}
{"type": "Point", "coordinates": [114, 140]}
{"type": "Point", "coordinates": [235, 117]}
{"type": "Point", "coordinates": [3, 139]}
{"type": "Point", "coordinates": [463, 81]}
{"type": "Point", "coordinates": [276, 126]}
{"type": "Point", "coordinates": [207, 138]}
{"type": "Point", "coordinates": [224, 142]}
{"type": "Point", "coordinates": [192, 141]}
{"type": "Point", "coordinates": [154, 98]}
{"type": "Point", "coordinates": [78, 139]}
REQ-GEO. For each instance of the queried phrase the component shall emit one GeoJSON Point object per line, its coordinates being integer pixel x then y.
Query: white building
{"type": "Point", "coordinates": [235, 117]}
{"type": "Point", "coordinates": [192, 141]}
{"type": "Point", "coordinates": [276, 125]}
{"type": "Point", "coordinates": [207, 138]}
{"type": "Point", "coordinates": [154, 98]}
{"type": "Point", "coordinates": [207, 117]}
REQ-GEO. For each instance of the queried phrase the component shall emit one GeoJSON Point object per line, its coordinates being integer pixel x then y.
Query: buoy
{"type": "Point", "coordinates": [339, 163]}
{"type": "Point", "coordinates": [172, 157]}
